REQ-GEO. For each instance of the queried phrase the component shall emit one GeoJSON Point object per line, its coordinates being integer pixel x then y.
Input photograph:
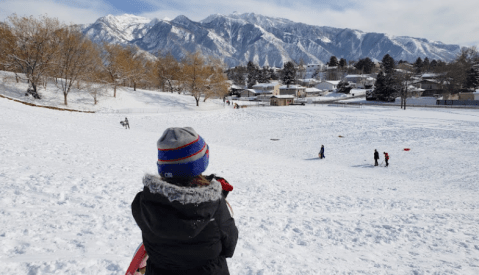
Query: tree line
{"type": "Point", "coordinates": [42, 50]}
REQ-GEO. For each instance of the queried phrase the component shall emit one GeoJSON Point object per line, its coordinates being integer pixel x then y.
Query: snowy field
{"type": "Point", "coordinates": [68, 180]}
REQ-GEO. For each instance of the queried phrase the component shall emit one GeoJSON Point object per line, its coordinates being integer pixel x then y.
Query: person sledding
{"type": "Point", "coordinates": [183, 215]}
{"type": "Point", "coordinates": [321, 152]}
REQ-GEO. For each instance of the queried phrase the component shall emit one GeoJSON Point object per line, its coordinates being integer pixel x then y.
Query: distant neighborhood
{"type": "Point", "coordinates": [386, 80]}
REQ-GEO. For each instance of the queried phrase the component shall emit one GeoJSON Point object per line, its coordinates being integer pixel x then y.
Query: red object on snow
{"type": "Point", "coordinates": [225, 185]}
{"type": "Point", "coordinates": [406, 149]}
{"type": "Point", "coordinates": [138, 261]}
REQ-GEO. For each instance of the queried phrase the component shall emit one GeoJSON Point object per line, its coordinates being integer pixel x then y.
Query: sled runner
{"type": "Point", "coordinates": [138, 263]}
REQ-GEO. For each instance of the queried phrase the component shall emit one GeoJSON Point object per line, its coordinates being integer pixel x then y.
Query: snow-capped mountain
{"type": "Point", "coordinates": [239, 38]}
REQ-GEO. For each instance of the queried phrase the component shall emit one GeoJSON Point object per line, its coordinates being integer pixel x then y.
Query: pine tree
{"type": "Point", "coordinates": [418, 65]}
{"type": "Point", "coordinates": [472, 79]}
{"type": "Point", "coordinates": [333, 61]}
{"type": "Point", "coordinates": [388, 64]}
{"type": "Point", "coordinates": [342, 63]}
{"type": "Point", "coordinates": [289, 73]}
{"type": "Point", "coordinates": [253, 74]}
{"type": "Point", "coordinates": [426, 64]}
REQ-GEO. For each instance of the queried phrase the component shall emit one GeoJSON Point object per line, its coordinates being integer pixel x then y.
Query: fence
{"type": "Point", "coordinates": [458, 102]}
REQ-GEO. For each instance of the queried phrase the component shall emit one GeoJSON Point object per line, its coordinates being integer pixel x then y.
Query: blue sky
{"type": "Point", "coordinates": [448, 21]}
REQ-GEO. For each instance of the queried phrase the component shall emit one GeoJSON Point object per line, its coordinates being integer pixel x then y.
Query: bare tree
{"type": "Point", "coordinates": [168, 71]}
{"type": "Point", "coordinates": [77, 58]}
{"type": "Point", "coordinates": [196, 74]}
{"type": "Point", "coordinates": [404, 80]}
{"type": "Point", "coordinates": [113, 64]}
{"type": "Point", "coordinates": [34, 50]}
{"type": "Point", "coordinates": [216, 85]}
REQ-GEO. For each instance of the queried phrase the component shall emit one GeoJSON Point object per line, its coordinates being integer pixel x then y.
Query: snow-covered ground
{"type": "Point", "coordinates": [68, 180]}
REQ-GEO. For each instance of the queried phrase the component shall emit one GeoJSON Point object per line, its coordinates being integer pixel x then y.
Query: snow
{"type": "Point", "coordinates": [68, 180]}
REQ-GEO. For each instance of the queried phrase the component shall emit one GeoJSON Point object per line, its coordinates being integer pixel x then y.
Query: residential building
{"type": "Point", "coordinates": [329, 85]}
{"type": "Point", "coordinates": [281, 100]}
{"type": "Point", "coordinates": [294, 90]}
{"type": "Point", "coordinates": [360, 80]}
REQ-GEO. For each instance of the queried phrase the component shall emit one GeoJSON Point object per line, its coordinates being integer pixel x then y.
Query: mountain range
{"type": "Point", "coordinates": [267, 41]}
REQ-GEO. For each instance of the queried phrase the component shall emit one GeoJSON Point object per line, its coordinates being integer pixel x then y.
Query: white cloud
{"type": "Point", "coordinates": [78, 12]}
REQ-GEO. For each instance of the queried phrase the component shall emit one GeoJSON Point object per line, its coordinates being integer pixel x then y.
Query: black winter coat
{"type": "Point", "coordinates": [376, 155]}
{"type": "Point", "coordinates": [186, 230]}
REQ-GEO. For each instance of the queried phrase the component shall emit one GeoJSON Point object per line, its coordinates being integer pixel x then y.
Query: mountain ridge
{"type": "Point", "coordinates": [267, 41]}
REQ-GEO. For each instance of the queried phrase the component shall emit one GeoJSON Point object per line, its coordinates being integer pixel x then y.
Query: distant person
{"type": "Point", "coordinates": [376, 157]}
{"type": "Point", "coordinates": [321, 152]}
{"type": "Point", "coordinates": [127, 125]}
{"type": "Point", "coordinates": [386, 158]}
{"type": "Point", "coordinates": [185, 222]}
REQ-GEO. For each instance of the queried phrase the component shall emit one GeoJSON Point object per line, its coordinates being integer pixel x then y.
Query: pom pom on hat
{"type": "Point", "coordinates": [182, 153]}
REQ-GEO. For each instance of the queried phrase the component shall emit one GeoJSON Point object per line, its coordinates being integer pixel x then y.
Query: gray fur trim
{"type": "Point", "coordinates": [183, 195]}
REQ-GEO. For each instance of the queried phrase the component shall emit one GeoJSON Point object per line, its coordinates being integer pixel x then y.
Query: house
{"type": "Point", "coordinates": [256, 93]}
{"type": "Point", "coordinates": [294, 90]}
{"type": "Point", "coordinates": [281, 100]}
{"type": "Point", "coordinates": [360, 80]}
{"type": "Point", "coordinates": [329, 85]}
{"type": "Point", "coordinates": [309, 92]}
{"type": "Point", "coordinates": [268, 88]}
{"type": "Point", "coordinates": [427, 84]}
{"type": "Point", "coordinates": [236, 89]}
{"type": "Point", "coordinates": [476, 95]}
{"type": "Point", "coordinates": [308, 82]}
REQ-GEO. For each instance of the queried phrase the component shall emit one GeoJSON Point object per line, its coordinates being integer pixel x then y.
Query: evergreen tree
{"type": "Point", "coordinates": [342, 63]}
{"type": "Point", "coordinates": [333, 61]}
{"type": "Point", "coordinates": [472, 79]}
{"type": "Point", "coordinates": [426, 64]}
{"type": "Point", "coordinates": [433, 64]}
{"type": "Point", "coordinates": [289, 73]}
{"type": "Point", "coordinates": [388, 64]}
{"type": "Point", "coordinates": [264, 75]}
{"type": "Point", "coordinates": [365, 65]}
{"type": "Point", "coordinates": [418, 65]}
{"type": "Point", "coordinates": [253, 74]}
{"type": "Point", "coordinates": [273, 74]}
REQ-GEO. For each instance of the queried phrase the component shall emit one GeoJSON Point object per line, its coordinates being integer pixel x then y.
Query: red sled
{"type": "Point", "coordinates": [138, 263]}
{"type": "Point", "coordinates": [406, 149]}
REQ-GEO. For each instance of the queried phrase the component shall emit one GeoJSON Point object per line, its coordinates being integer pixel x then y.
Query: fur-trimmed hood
{"type": "Point", "coordinates": [183, 195]}
{"type": "Point", "coordinates": [175, 212]}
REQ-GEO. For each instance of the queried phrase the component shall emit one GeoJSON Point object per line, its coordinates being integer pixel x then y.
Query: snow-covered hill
{"type": "Point", "coordinates": [239, 38]}
{"type": "Point", "coordinates": [68, 179]}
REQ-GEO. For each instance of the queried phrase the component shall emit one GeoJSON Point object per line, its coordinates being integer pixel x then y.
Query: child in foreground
{"type": "Point", "coordinates": [186, 225]}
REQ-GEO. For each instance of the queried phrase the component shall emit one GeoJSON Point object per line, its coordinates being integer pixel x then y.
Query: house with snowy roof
{"type": "Point", "coordinates": [360, 80]}
{"type": "Point", "coordinates": [294, 90]}
{"type": "Point", "coordinates": [309, 92]}
{"type": "Point", "coordinates": [268, 88]}
{"type": "Point", "coordinates": [329, 85]}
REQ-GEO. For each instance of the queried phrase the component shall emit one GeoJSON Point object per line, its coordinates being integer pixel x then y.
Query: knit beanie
{"type": "Point", "coordinates": [182, 153]}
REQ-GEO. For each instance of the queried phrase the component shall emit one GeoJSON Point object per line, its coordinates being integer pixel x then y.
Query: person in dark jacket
{"type": "Point", "coordinates": [321, 152]}
{"type": "Point", "coordinates": [186, 225]}
{"type": "Point", "coordinates": [386, 158]}
{"type": "Point", "coordinates": [127, 125]}
{"type": "Point", "coordinates": [376, 157]}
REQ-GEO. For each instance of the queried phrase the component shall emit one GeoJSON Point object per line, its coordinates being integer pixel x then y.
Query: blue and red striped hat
{"type": "Point", "coordinates": [182, 153]}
